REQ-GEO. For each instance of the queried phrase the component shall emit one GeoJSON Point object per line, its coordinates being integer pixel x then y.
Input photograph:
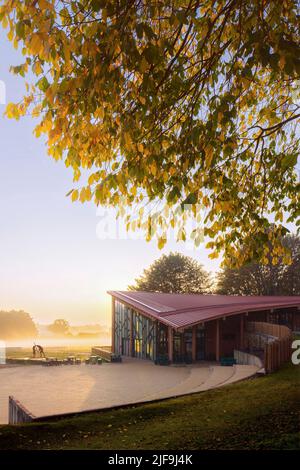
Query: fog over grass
{"type": "Point", "coordinates": [103, 340]}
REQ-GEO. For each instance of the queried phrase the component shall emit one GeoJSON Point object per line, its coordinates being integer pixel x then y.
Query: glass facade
{"type": "Point", "coordinates": [144, 336]}
{"type": "Point", "coordinates": [138, 336]}
{"type": "Point", "coordinates": [122, 329]}
{"type": "Point", "coordinates": [182, 346]}
{"type": "Point", "coordinates": [135, 334]}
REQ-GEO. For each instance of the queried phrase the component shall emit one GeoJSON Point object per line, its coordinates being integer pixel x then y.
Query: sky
{"type": "Point", "coordinates": [53, 263]}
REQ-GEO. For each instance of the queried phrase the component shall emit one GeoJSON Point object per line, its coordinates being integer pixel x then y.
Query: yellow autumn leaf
{"type": "Point", "coordinates": [99, 113]}
{"type": "Point", "coordinates": [43, 4]}
{"type": "Point", "coordinates": [128, 141]}
{"type": "Point", "coordinates": [153, 169]}
{"type": "Point", "coordinates": [82, 195]}
{"type": "Point", "coordinates": [37, 68]}
{"type": "Point", "coordinates": [35, 43]}
{"type": "Point", "coordinates": [4, 22]}
{"type": "Point", "coordinates": [88, 193]}
{"type": "Point", "coordinates": [143, 65]}
{"type": "Point", "coordinates": [205, 201]}
{"type": "Point", "coordinates": [165, 176]}
{"type": "Point", "coordinates": [12, 111]}
{"type": "Point", "coordinates": [161, 242]}
{"type": "Point", "coordinates": [74, 195]}
{"type": "Point", "coordinates": [10, 35]}
{"type": "Point", "coordinates": [208, 155]}
{"type": "Point", "coordinates": [282, 62]}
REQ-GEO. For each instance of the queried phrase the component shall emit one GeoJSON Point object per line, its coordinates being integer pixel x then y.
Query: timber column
{"type": "Point", "coordinates": [194, 343]}
{"type": "Point", "coordinates": [242, 325]}
{"type": "Point", "coordinates": [293, 321]}
{"type": "Point", "coordinates": [170, 343]}
{"type": "Point", "coordinates": [217, 340]}
{"type": "Point", "coordinates": [131, 340]}
{"type": "Point", "coordinates": [113, 324]}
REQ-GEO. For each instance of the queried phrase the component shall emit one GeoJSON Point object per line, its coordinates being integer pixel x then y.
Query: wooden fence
{"type": "Point", "coordinates": [277, 347]}
{"type": "Point", "coordinates": [17, 413]}
{"type": "Point", "coordinates": [277, 353]}
{"type": "Point", "coordinates": [243, 357]}
{"type": "Point", "coordinates": [271, 329]}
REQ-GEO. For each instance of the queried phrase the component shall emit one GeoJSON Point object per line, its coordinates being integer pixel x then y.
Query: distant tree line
{"type": "Point", "coordinates": [264, 279]}
{"type": "Point", "coordinates": [16, 325]}
{"type": "Point", "coordinates": [60, 327]}
{"type": "Point", "coordinates": [176, 273]}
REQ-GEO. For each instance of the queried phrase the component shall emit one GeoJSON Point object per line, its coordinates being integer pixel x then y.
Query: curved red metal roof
{"type": "Point", "coordinates": [183, 310]}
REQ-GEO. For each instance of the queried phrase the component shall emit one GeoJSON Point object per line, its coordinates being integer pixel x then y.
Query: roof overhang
{"type": "Point", "coordinates": [186, 310]}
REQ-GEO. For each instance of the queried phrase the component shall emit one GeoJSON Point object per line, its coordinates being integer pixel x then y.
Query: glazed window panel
{"type": "Point", "coordinates": [122, 329]}
{"type": "Point", "coordinates": [144, 335]}
{"type": "Point", "coordinates": [162, 339]}
{"type": "Point", "coordinates": [177, 347]}
{"type": "Point", "coordinates": [182, 346]}
{"type": "Point", "coordinates": [188, 341]}
{"type": "Point", "coordinates": [200, 343]}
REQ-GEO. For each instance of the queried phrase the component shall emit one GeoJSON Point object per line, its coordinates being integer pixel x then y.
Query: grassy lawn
{"type": "Point", "coordinates": [262, 413]}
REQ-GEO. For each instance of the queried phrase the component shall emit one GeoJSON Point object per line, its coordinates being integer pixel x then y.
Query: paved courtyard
{"type": "Point", "coordinates": [54, 390]}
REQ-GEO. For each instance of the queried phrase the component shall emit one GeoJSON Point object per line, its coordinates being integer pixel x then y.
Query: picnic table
{"type": "Point", "coordinates": [94, 360]}
{"type": "Point", "coordinates": [52, 361]}
{"type": "Point", "coordinates": [70, 360]}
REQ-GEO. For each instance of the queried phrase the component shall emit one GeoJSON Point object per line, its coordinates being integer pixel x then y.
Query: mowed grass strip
{"type": "Point", "coordinates": [259, 413]}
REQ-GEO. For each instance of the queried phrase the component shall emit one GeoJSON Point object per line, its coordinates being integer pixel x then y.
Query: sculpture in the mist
{"type": "Point", "coordinates": [38, 349]}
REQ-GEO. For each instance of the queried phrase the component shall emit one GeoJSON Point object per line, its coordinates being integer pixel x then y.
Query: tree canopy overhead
{"type": "Point", "coordinates": [173, 103]}
{"type": "Point", "coordinates": [174, 273]}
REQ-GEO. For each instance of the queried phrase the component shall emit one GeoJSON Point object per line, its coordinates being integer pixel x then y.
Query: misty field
{"type": "Point", "coordinates": [59, 349]}
{"type": "Point", "coordinates": [60, 352]}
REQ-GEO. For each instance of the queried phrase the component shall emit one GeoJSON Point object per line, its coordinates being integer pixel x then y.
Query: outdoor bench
{"type": "Point", "coordinates": [94, 360]}
{"type": "Point", "coordinates": [162, 360]}
{"type": "Point", "coordinates": [228, 361]}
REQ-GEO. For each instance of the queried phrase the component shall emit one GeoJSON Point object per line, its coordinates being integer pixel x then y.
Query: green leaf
{"type": "Point", "coordinates": [20, 29]}
{"type": "Point", "coordinates": [191, 199]}
{"type": "Point", "coordinates": [289, 160]}
{"type": "Point", "coordinates": [139, 30]}
{"type": "Point", "coordinates": [43, 84]}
